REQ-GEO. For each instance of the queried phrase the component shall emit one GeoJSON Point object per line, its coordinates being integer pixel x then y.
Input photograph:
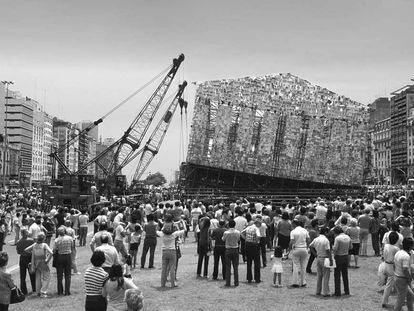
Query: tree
{"type": "Point", "coordinates": [156, 179]}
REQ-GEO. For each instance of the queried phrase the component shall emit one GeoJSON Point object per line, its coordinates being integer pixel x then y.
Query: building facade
{"type": "Point", "coordinates": [17, 126]}
{"type": "Point", "coordinates": [382, 152]}
{"type": "Point", "coordinates": [402, 104]}
{"type": "Point", "coordinates": [64, 131]}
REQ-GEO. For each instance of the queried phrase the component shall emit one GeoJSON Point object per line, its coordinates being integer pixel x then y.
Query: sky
{"type": "Point", "coordinates": [81, 58]}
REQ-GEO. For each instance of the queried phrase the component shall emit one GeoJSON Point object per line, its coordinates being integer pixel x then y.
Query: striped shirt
{"type": "Point", "coordinates": [94, 281]}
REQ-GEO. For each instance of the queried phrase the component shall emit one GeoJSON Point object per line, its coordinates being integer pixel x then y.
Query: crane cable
{"type": "Point", "coordinates": [137, 91]}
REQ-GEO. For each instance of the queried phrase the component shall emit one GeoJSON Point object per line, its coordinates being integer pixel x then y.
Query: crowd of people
{"type": "Point", "coordinates": [325, 235]}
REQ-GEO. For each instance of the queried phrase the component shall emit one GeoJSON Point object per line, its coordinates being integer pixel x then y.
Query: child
{"type": "Point", "coordinates": [277, 268]}
{"type": "Point", "coordinates": [135, 242]}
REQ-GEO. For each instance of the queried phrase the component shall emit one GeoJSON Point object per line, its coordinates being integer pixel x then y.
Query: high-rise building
{"type": "Point", "coordinates": [106, 160]}
{"type": "Point", "coordinates": [17, 124]}
{"type": "Point", "coordinates": [64, 131]}
{"type": "Point", "coordinates": [402, 109]}
{"type": "Point", "coordinates": [87, 146]}
{"type": "Point", "coordinates": [382, 151]}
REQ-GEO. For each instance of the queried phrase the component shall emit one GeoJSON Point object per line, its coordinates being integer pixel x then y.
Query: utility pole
{"type": "Point", "coordinates": [6, 83]}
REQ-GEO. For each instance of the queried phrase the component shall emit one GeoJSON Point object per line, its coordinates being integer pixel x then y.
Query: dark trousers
{"type": "Point", "coordinates": [341, 269]}
{"type": "Point", "coordinates": [1, 241]}
{"type": "Point", "coordinates": [24, 262]}
{"type": "Point", "coordinates": [149, 244]}
{"type": "Point", "coordinates": [263, 244]}
{"type": "Point", "coordinates": [232, 258]}
{"type": "Point", "coordinates": [95, 303]}
{"type": "Point", "coordinates": [243, 249]}
{"type": "Point", "coordinates": [83, 232]}
{"type": "Point", "coordinates": [219, 253]}
{"type": "Point", "coordinates": [202, 256]}
{"type": "Point", "coordinates": [271, 235]}
{"type": "Point", "coordinates": [375, 243]}
{"type": "Point", "coordinates": [4, 307]}
{"type": "Point", "coordinates": [253, 255]}
{"type": "Point", "coordinates": [63, 266]}
{"type": "Point", "coordinates": [310, 262]}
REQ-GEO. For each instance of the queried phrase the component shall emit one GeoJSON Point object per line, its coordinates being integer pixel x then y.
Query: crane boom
{"type": "Point", "coordinates": [153, 144]}
{"type": "Point", "coordinates": [122, 151]}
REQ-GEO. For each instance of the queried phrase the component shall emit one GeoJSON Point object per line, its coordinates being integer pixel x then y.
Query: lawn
{"type": "Point", "coordinates": [207, 294]}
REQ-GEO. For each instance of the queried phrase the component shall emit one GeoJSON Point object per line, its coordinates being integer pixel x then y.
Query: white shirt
{"type": "Point", "coordinates": [299, 236]}
{"type": "Point", "coordinates": [241, 223]}
{"type": "Point", "coordinates": [401, 260]}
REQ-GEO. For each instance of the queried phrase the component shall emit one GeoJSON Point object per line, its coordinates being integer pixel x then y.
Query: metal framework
{"type": "Point", "coordinates": [153, 144]}
{"type": "Point", "coordinates": [211, 126]}
{"type": "Point", "coordinates": [124, 148]}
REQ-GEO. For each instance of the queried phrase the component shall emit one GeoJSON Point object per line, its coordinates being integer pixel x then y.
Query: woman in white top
{"type": "Point", "coordinates": [115, 287]}
{"type": "Point", "coordinates": [169, 256]}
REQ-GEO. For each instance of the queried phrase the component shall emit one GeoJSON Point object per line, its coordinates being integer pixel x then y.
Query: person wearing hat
{"type": "Point", "coordinates": [251, 236]}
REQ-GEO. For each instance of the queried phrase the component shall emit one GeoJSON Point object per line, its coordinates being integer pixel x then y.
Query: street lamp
{"type": "Point", "coordinates": [6, 83]}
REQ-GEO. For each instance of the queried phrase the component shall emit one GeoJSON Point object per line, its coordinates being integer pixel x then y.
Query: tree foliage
{"type": "Point", "coordinates": [156, 179]}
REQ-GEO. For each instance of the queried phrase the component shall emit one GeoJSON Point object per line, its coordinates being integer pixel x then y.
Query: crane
{"type": "Point", "coordinates": [153, 144]}
{"type": "Point", "coordinates": [123, 149]}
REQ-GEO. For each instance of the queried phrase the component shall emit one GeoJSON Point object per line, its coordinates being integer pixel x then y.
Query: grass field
{"type": "Point", "coordinates": [207, 294]}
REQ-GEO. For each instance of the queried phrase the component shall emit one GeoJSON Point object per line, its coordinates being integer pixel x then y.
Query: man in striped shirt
{"type": "Point", "coordinates": [95, 277]}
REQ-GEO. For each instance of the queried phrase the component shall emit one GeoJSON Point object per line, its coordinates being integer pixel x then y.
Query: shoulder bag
{"type": "Point", "coordinates": [16, 295]}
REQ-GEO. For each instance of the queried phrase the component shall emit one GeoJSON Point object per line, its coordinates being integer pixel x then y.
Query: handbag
{"type": "Point", "coordinates": [16, 295]}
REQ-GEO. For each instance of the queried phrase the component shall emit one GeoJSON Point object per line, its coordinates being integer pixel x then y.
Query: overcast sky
{"type": "Point", "coordinates": [81, 58]}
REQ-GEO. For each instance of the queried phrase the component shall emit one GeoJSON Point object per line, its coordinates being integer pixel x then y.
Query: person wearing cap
{"type": "Point", "coordinates": [251, 234]}
{"type": "Point", "coordinates": [63, 247]}
{"type": "Point", "coordinates": [299, 241]}
{"type": "Point", "coordinates": [24, 261]}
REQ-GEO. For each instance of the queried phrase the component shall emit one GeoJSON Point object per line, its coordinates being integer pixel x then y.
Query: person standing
{"type": "Point", "coordinates": [263, 239]}
{"type": "Point", "coordinates": [282, 233]}
{"type": "Point", "coordinates": [299, 241]}
{"type": "Point", "coordinates": [114, 288]}
{"type": "Point", "coordinates": [95, 278]}
{"type": "Point", "coordinates": [169, 257]}
{"type": "Point", "coordinates": [386, 268]}
{"type": "Point", "coordinates": [110, 252]}
{"type": "Point", "coordinates": [323, 250]}
{"type": "Point", "coordinates": [241, 224]}
{"type": "Point", "coordinates": [96, 239]}
{"type": "Point", "coordinates": [231, 240]}
{"type": "Point", "coordinates": [24, 261]}
{"type": "Point", "coordinates": [313, 233]}
{"type": "Point", "coordinates": [6, 282]}
{"type": "Point", "coordinates": [219, 249]}
{"type": "Point", "coordinates": [150, 241]}
{"type": "Point", "coordinates": [364, 223]}
{"type": "Point", "coordinates": [203, 246]}
{"type": "Point", "coordinates": [252, 237]}
{"type": "Point", "coordinates": [403, 276]}
{"type": "Point", "coordinates": [17, 224]}
{"type": "Point", "coordinates": [41, 255]}
{"type": "Point", "coordinates": [341, 247]}
{"type": "Point", "coordinates": [63, 247]}
{"type": "Point", "coordinates": [83, 227]}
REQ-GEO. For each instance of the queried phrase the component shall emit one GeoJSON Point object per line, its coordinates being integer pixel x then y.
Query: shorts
{"type": "Point", "coordinates": [355, 249]}
{"type": "Point", "coordinates": [133, 246]}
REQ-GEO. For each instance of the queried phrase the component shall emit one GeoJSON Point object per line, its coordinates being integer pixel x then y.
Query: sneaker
{"type": "Point", "coordinates": [43, 296]}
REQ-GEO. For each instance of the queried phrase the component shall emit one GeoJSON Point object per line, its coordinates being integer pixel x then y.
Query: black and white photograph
{"type": "Point", "coordinates": [237, 155]}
